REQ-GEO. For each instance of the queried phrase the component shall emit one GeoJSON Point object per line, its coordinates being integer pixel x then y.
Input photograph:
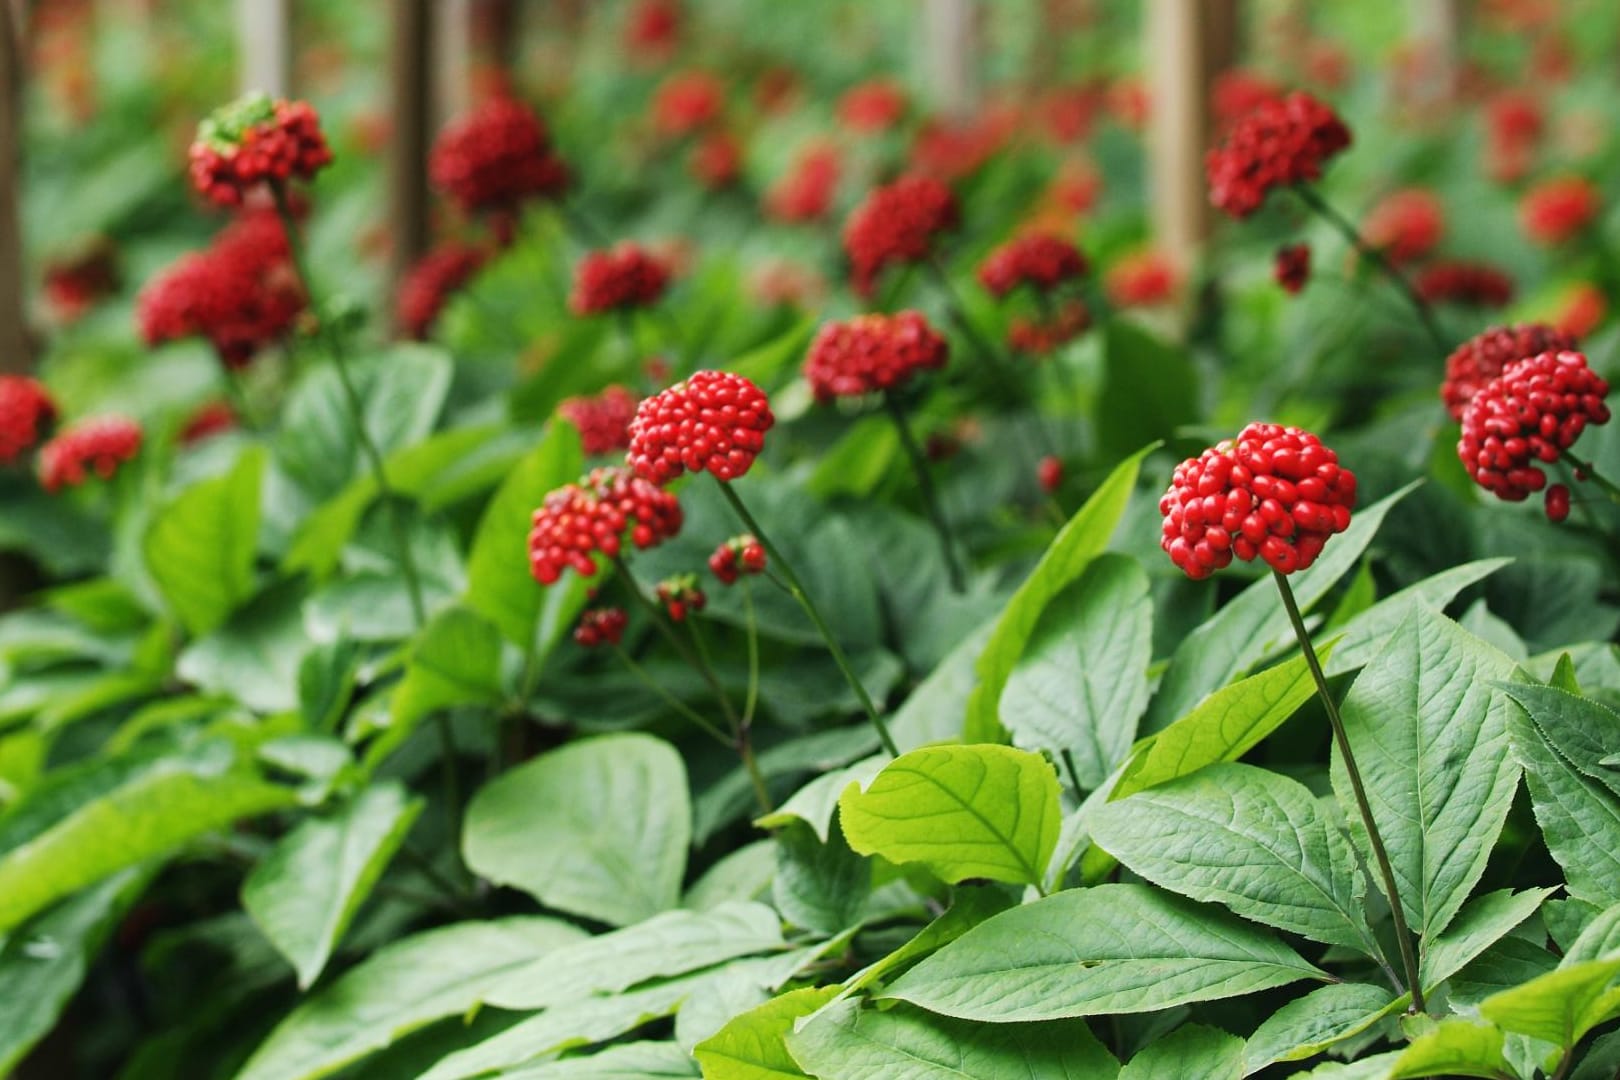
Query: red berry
{"type": "Point", "coordinates": [681, 595]}
{"type": "Point", "coordinates": [898, 223]}
{"type": "Point", "coordinates": [496, 158]}
{"type": "Point", "coordinates": [1281, 143]}
{"type": "Point", "coordinates": [1557, 210]}
{"type": "Point", "coordinates": [713, 422]}
{"type": "Point", "coordinates": [1050, 473]}
{"type": "Point", "coordinates": [872, 353]}
{"type": "Point", "coordinates": [90, 448]}
{"type": "Point", "coordinates": [1293, 267]}
{"type": "Point", "coordinates": [26, 409]}
{"type": "Point", "coordinates": [604, 420]}
{"type": "Point", "coordinates": [598, 626]}
{"type": "Point", "coordinates": [1473, 283]}
{"type": "Point", "coordinates": [1040, 260]}
{"type": "Point", "coordinates": [252, 140]}
{"type": "Point", "coordinates": [1482, 357]}
{"type": "Point", "coordinates": [1037, 337]}
{"type": "Point", "coordinates": [686, 102]}
{"type": "Point", "coordinates": [431, 282]}
{"type": "Point", "coordinates": [1557, 503]}
{"type": "Point", "coordinates": [1531, 413]}
{"type": "Point", "coordinates": [579, 520]}
{"type": "Point", "coordinates": [740, 555]}
{"type": "Point", "coordinates": [617, 279]}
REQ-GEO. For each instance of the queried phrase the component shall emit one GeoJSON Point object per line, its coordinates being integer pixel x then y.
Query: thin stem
{"type": "Point", "coordinates": [711, 676]}
{"type": "Point", "coordinates": [796, 588]}
{"type": "Point", "coordinates": [670, 699]}
{"type": "Point", "coordinates": [753, 654]}
{"type": "Point", "coordinates": [925, 483]}
{"type": "Point", "coordinates": [424, 866]}
{"type": "Point", "coordinates": [1074, 774]}
{"type": "Point", "coordinates": [1373, 255]}
{"type": "Point", "coordinates": [1605, 485]}
{"type": "Point", "coordinates": [762, 794]}
{"type": "Point", "coordinates": [988, 354]}
{"type": "Point", "coordinates": [238, 401]}
{"type": "Point", "coordinates": [656, 614]}
{"type": "Point", "coordinates": [1403, 936]}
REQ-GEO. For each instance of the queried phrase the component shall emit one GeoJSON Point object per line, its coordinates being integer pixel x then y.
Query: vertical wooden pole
{"type": "Point", "coordinates": [264, 46]}
{"type": "Point", "coordinates": [411, 85]}
{"type": "Point", "coordinates": [950, 40]}
{"type": "Point", "coordinates": [16, 346]}
{"type": "Point", "coordinates": [1189, 43]}
{"type": "Point", "coordinates": [1438, 28]}
{"type": "Point", "coordinates": [452, 48]}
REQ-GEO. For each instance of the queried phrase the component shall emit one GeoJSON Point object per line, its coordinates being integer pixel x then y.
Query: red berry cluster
{"type": "Point", "coordinates": [956, 150]}
{"type": "Point", "coordinates": [26, 409]}
{"type": "Point", "coordinates": [1486, 355]}
{"type": "Point", "coordinates": [686, 102]}
{"type": "Point", "coordinates": [96, 446]}
{"type": "Point", "coordinates": [1472, 283]}
{"type": "Point", "coordinates": [681, 596]}
{"type": "Point", "coordinates": [740, 555]}
{"type": "Point", "coordinates": [1556, 211]}
{"type": "Point", "coordinates": [604, 420]}
{"type": "Point", "coordinates": [715, 421]}
{"type": "Point", "coordinates": [253, 140]}
{"type": "Point", "coordinates": [872, 106]}
{"type": "Point", "coordinates": [897, 223]}
{"type": "Point", "coordinates": [872, 353]}
{"type": "Point", "coordinates": [617, 278]}
{"type": "Point", "coordinates": [211, 418]}
{"type": "Point", "coordinates": [73, 286]}
{"type": "Point", "coordinates": [1040, 260]}
{"type": "Point", "coordinates": [1237, 92]}
{"type": "Point", "coordinates": [1281, 143]}
{"type": "Point", "coordinates": [1142, 279]}
{"type": "Point", "coordinates": [431, 282]}
{"type": "Point", "coordinates": [1275, 492]}
{"type": "Point", "coordinates": [1532, 412]}
{"type": "Point", "coordinates": [579, 520]}
{"type": "Point", "coordinates": [806, 192]}
{"type": "Point", "coordinates": [653, 28]}
{"type": "Point", "coordinates": [1514, 125]}
{"type": "Point", "coordinates": [1293, 267]}
{"type": "Point", "coordinates": [497, 157]}
{"type": "Point", "coordinates": [1037, 337]}
{"type": "Point", "coordinates": [716, 161]}
{"type": "Point", "coordinates": [601, 626]}
{"type": "Point", "coordinates": [1405, 225]}
{"type": "Point", "coordinates": [242, 293]}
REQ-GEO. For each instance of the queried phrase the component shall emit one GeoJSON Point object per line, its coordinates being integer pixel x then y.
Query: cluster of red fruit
{"type": "Point", "coordinates": [740, 555]}
{"type": "Point", "coordinates": [496, 158]}
{"type": "Point", "coordinates": [1040, 260]}
{"type": "Point", "coordinates": [601, 626]}
{"type": "Point", "coordinates": [1293, 267]}
{"type": "Point", "coordinates": [26, 410]}
{"type": "Point", "coordinates": [1484, 356]}
{"type": "Point", "coordinates": [1037, 337]}
{"type": "Point", "coordinates": [617, 279]}
{"type": "Point", "coordinates": [431, 282]}
{"type": "Point", "coordinates": [1282, 143]}
{"type": "Point", "coordinates": [578, 521]}
{"type": "Point", "coordinates": [898, 223]}
{"type": "Point", "coordinates": [715, 421]}
{"type": "Point", "coordinates": [805, 193]}
{"type": "Point", "coordinates": [1476, 284]}
{"type": "Point", "coordinates": [872, 353]}
{"type": "Point", "coordinates": [94, 447]}
{"type": "Point", "coordinates": [1275, 492]}
{"type": "Point", "coordinates": [680, 596]}
{"type": "Point", "coordinates": [603, 421]}
{"type": "Point", "coordinates": [256, 140]}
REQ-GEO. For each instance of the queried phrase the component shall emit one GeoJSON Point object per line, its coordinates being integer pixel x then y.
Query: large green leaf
{"type": "Point", "coordinates": [1225, 726]}
{"type": "Point", "coordinates": [499, 585]}
{"type": "Point", "coordinates": [1190, 1050]}
{"type": "Point", "coordinates": [1086, 952]}
{"type": "Point", "coordinates": [1076, 545]}
{"type": "Point", "coordinates": [1247, 838]}
{"type": "Point", "coordinates": [1561, 1006]}
{"type": "Point", "coordinates": [819, 885]}
{"type": "Point", "coordinates": [1081, 684]}
{"type": "Point", "coordinates": [1308, 1025]}
{"type": "Point", "coordinates": [254, 657]}
{"type": "Point", "coordinates": [598, 828]}
{"type": "Point", "coordinates": [1480, 924]}
{"type": "Point", "coordinates": [1455, 1047]}
{"type": "Point", "coordinates": [1246, 630]}
{"type": "Point", "coordinates": [1360, 639]}
{"type": "Point", "coordinates": [1149, 389]}
{"type": "Point", "coordinates": [155, 812]}
{"type": "Point", "coordinates": [200, 547]}
{"type": "Point", "coordinates": [305, 892]}
{"type": "Point", "coordinates": [622, 1061]}
{"type": "Point", "coordinates": [902, 1043]}
{"type": "Point", "coordinates": [1579, 817]}
{"type": "Point", "coordinates": [1430, 737]}
{"type": "Point", "coordinates": [403, 987]}
{"type": "Point", "coordinates": [752, 1045]}
{"type": "Point", "coordinates": [961, 811]}
{"type": "Point", "coordinates": [1585, 733]}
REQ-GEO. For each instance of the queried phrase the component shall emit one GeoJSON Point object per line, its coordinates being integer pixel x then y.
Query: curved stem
{"type": "Point", "coordinates": [1607, 486]}
{"type": "Point", "coordinates": [1373, 255]}
{"type": "Point", "coordinates": [753, 654]}
{"type": "Point", "coordinates": [711, 676]}
{"type": "Point", "coordinates": [656, 614]}
{"type": "Point", "coordinates": [795, 587]}
{"type": "Point", "coordinates": [925, 483]}
{"type": "Point", "coordinates": [670, 699]}
{"type": "Point", "coordinates": [988, 354]}
{"type": "Point", "coordinates": [1403, 936]}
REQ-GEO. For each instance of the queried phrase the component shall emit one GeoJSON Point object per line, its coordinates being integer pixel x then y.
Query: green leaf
{"type": "Point", "coordinates": [1225, 726]}
{"type": "Point", "coordinates": [499, 585]}
{"type": "Point", "coordinates": [970, 906]}
{"type": "Point", "coordinates": [816, 803]}
{"type": "Point", "coordinates": [1081, 684]}
{"type": "Point", "coordinates": [961, 811]}
{"type": "Point", "coordinates": [1247, 838]}
{"type": "Point", "coordinates": [1245, 630]}
{"type": "Point", "coordinates": [1361, 638]}
{"type": "Point", "coordinates": [455, 661]}
{"type": "Point", "coordinates": [1088, 952]}
{"type": "Point", "coordinates": [1585, 733]}
{"type": "Point", "coordinates": [1561, 1006]}
{"type": "Point", "coordinates": [1579, 818]}
{"type": "Point", "coordinates": [751, 1046]}
{"type": "Point", "coordinates": [155, 812]}
{"type": "Point", "coordinates": [43, 962]}
{"type": "Point", "coordinates": [857, 463]}
{"type": "Point", "coordinates": [1150, 388]}
{"type": "Point", "coordinates": [1076, 545]}
{"type": "Point", "coordinates": [821, 886]}
{"type": "Point", "coordinates": [845, 1040]}
{"type": "Point", "coordinates": [402, 987]}
{"type": "Point", "coordinates": [305, 892]}
{"type": "Point", "coordinates": [1430, 736]}
{"type": "Point", "coordinates": [1598, 941]}
{"type": "Point", "coordinates": [598, 828]}
{"type": "Point", "coordinates": [1455, 1047]}
{"type": "Point", "coordinates": [1190, 1050]}
{"type": "Point", "coordinates": [200, 547]}
{"type": "Point", "coordinates": [1306, 1026]}
{"type": "Point", "coordinates": [1480, 924]}
{"type": "Point", "coordinates": [673, 943]}
{"type": "Point", "coordinates": [254, 657]}
{"type": "Point", "coordinates": [625, 1061]}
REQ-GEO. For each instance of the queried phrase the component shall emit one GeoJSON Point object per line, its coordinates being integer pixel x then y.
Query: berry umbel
{"type": "Point", "coordinates": [254, 140]}
{"type": "Point", "coordinates": [603, 420]}
{"type": "Point", "coordinates": [93, 448]}
{"type": "Point", "coordinates": [26, 410]}
{"type": "Point", "coordinates": [742, 554]}
{"type": "Point", "coordinates": [1487, 354]}
{"type": "Point", "coordinates": [579, 521]}
{"type": "Point", "coordinates": [600, 626]}
{"type": "Point", "coordinates": [1526, 417]}
{"type": "Point", "coordinates": [872, 353]}
{"type": "Point", "coordinates": [619, 278]}
{"type": "Point", "coordinates": [1280, 144]}
{"type": "Point", "coordinates": [898, 223]}
{"type": "Point", "coordinates": [713, 422]}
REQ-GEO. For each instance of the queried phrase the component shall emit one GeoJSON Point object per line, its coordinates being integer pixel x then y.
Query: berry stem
{"type": "Point", "coordinates": [990, 356]}
{"type": "Point", "coordinates": [580, 227]}
{"type": "Point", "coordinates": [1607, 486]}
{"type": "Point", "coordinates": [753, 654]}
{"type": "Point", "coordinates": [1343, 225]}
{"type": "Point", "coordinates": [670, 699]}
{"type": "Point", "coordinates": [925, 483]}
{"type": "Point", "coordinates": [796, 587]}
{"type": "Point", "coordinates": [238, 400]}
{"type": "Point", "coordinates": [696, 663]}
{"type": "Point", "coordinates": [1403, 936]}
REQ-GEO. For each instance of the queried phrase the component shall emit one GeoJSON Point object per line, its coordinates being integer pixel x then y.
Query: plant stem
{"type": "Point", "coordinates": [1605, 485]}
{"type": "Point", "coordinates": [1074, 774]}
{"type": "Point", "coordinates": [753, 654]}
{"type": "Point", "coordinates": [670, 699]}
{"type": "Point", "coordinates": [1367, 251]}
{"type": "Point", "coordinates": [988, 355]}
{"type": "Point", "coordinates": [1403, 936]}
{"type": "Point", "coordinates": [696, 663]}
{"type": "Point", "coordinates": [925, 483]}
{"type": "Point", "coordinates": [796, 588]}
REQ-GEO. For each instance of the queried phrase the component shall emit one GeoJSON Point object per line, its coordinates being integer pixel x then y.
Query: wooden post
{"type": "Point", "coordinates": [411, 91]}
{"type": "Point", "coordinates": [16, 346]}
{"type": "Point", "coordinates": [264, 46]}
{"type": "Point", "coordinates": [950, 41]}
{"type": "Point", "coordinates": [1438, 29]}
{"type": "Point", "coordinates": [452, 46]}
{"type": "Point", "coordinates": [1189, 43]}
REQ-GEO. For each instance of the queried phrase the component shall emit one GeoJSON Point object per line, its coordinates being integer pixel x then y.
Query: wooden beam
{"type": "Point", "coordinates": [950, 42]}
{"type": "Point", "coordinates": [1189, 42]}
{"type": "Point", "coordinates": [16, 344]}
{"type": "Point", "coordinates": [452, 48]}
{"type": "Point", "coordinates": [1438, 28]}
{"type": "Point", "coordinates": [264, 46]}
{"type": "Point", "coordinates": [411, 91]}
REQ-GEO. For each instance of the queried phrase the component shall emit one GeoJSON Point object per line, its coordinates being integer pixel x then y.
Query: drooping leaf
{"type": "Point", "coordinates": [1579, 817]}
{"type": "Point", "coordinates": [1308, 1025]}
{"type": "Point", "coordinates": [1430, 737]}
{"type": "Point", "coordinates": [1585, 733]}
{"type": "Point", "coordinates": [1087, 952]}
{"type": "Point", "coordinates": [1081, 684]}
{"type": "Point", "coordinates": [1247, 838]}
{"type": "Point", "coordinates": [1455, 1047]}
{"type": "Point", "coordinates": [1190, 1050]}
{"type": "Point", "coordinates": [598, 828]}
{"type": "Point", "coordinates": [1480, 924]}
{"type": "Point", "coordinates": [820, 886]}
{"type": "Point", "coordinates": [752, 1045]}
{"type": "Point", "coordinates": [306, 891]}
{"type": "Point", "coordinates": [1561, 1006]}
{"type": "Point", "coordinates": [200, 547]}
{"type": "Point", "coordinates": [961, 811]}
{"type": "Point", "coordinates": [1360, 639]}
